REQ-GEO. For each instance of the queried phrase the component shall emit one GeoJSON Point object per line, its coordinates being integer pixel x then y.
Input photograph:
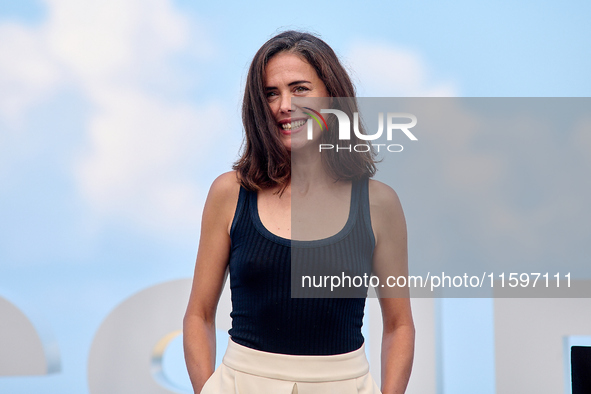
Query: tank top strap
{"type": "Point", "coordinates": [364, 217]}
{"type": "Point", "coordinates": [241, 209]}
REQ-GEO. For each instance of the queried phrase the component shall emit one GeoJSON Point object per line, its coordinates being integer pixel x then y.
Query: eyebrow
{"type": "Point", "coordinates": [298, 82]}
{"type": "Point", "coordinates": [290, 84]}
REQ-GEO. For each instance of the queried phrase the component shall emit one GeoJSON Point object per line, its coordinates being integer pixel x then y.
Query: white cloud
{"type": "Point", "coordinates": [140, 156]}
{"type": "Point", "coordinates": [105, 40]}
{"type": "Point", "coordinates": [391, 71]}
{"type": "Point", "coordinates": [28, 72]}
{"type": "Point", "coordinates": [143, 137]}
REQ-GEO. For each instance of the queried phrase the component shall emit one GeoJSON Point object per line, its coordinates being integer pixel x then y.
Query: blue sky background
{"type": "Point", "coordinates": [116, 116]}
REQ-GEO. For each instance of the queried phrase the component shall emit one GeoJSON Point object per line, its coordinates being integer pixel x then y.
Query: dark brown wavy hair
{"type": "Point", "coordinates": [265, 162]}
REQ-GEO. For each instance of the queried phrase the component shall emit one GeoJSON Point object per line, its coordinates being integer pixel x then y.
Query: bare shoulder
{"type": "Point", "coordinates": [223, 196]}
{"type": "Point", "coordinates": [225, 186]}
{"type": "Point", "coordinates": [387, 217]}
{"type": "Point", "coordinates": [382, 196]}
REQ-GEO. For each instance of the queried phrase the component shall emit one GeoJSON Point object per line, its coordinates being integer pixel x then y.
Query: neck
{"type": "Point", "coordinates": [307, 170]}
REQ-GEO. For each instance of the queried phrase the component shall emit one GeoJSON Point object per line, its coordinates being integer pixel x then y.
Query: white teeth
{"type": "Point", "coordinates": [295, 124]}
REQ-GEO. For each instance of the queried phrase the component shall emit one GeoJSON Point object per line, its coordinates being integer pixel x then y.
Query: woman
{"type": "Point", "coordinates": [281, 344]}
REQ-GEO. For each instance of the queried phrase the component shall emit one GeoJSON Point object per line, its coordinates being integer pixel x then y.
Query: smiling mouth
{"type": "Point", "coordinates": [295, 124]}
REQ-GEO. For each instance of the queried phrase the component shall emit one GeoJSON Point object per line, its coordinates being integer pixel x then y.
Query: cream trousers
{"type": "Point", "coordinates": [248, 371]}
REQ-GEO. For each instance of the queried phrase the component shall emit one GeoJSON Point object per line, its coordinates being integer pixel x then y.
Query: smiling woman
{"type": "Point", "coordinates": [278, 343]}
{"type": "Point", "coordinates": [287, 76]}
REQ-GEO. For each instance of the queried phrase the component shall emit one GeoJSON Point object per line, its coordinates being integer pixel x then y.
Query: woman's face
{"type": "Point", "coordinates": [287, 75]}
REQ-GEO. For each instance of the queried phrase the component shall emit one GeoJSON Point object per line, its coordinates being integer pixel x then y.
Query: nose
{"type": "Point", "coordinates": [285, 104]}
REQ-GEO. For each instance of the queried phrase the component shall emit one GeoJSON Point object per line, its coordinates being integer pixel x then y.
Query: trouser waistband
{"type": "Point", "coordinates": [296, 368]}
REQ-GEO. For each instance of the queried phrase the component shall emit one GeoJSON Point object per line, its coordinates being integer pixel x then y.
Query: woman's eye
{"type": "Point", "coordinates": [301, 89]}
{"type": "Point", "coordinates": [271, 94]}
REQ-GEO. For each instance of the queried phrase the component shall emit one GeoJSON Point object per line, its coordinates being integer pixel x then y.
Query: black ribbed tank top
{"type": "Point", "coordinates": [264, 316]}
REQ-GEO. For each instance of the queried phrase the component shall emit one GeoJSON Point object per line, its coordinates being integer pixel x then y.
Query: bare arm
{"type": "Point", "coordinates": [210, 269]}
{"type": "Point", "coordinates": [391, 258]}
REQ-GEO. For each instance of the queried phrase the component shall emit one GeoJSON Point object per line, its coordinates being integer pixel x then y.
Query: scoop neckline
{"type": "Point", "coordinates": [342, 233]}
